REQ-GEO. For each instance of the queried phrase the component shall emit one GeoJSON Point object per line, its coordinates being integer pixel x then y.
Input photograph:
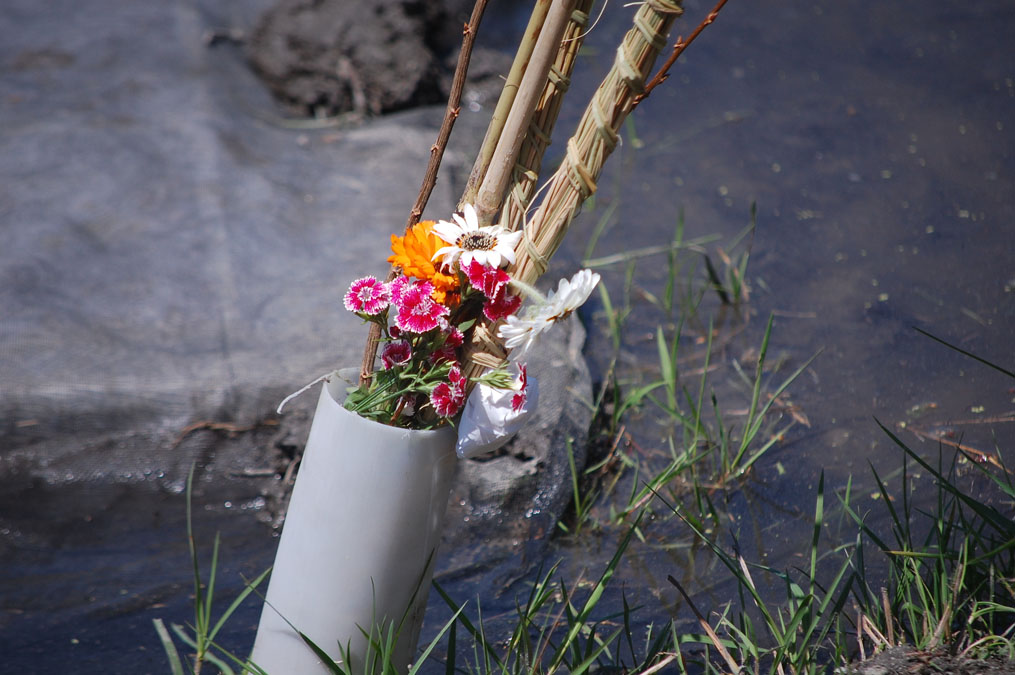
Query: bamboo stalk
{"type": "Point", "coordinates": [490, 196]}
{"type": "Point", "coordinates": [506, 100]}
{"type": "Point", "coordinates": [433, 166]}
{"type": "Point", "coordinates": [537, 138]}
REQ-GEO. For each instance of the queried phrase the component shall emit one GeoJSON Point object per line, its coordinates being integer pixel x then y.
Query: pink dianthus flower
{"type": "Point", "coordinates": [448, 397]}
{"type": "Point", "coordinates": [489, 280]}
{"type": "Point", "coordinates": [396, 354]}
{"type": "Point", "coordinates": [519, 399]}
{"type": "Point", "coordinates": [502, 305]}
{"type": "Point", "coordinates": [453, 339]}
{"type": "Point", "coordinates": [418, 312]}
{"type": "Point", "coordinates": [368, 296]}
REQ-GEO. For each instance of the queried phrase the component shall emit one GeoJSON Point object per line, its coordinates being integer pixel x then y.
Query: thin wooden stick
{"type": "Point", "coordinates": [430, 177]}
{"type": "Point", "coordinates": [678, 49]}
{"type": "Point", "coordinates": [450, 115]}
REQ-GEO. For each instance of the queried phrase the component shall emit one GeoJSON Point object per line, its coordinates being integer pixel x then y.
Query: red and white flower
{"type": "Point", "coordinates": [397, 287]}
{"type": "Point", "coordinates": [449, 350]}
{"type": "Point", "coordinates": [488, 280]}
{"type": "Point", "coordinates": [522, 390]}
{"type": "Point", "coordinates": [418, 312]}
{"type": "Point", "coordinates": [396, 354]}
{"type": "Point", "coordinates": [493, 283]}
{"type": "Point", "coordinates": [368, 295]}
{"type": "Point", "coordinates": [447, 397]}
{"type": "Point", "coordinates": [502, 306]}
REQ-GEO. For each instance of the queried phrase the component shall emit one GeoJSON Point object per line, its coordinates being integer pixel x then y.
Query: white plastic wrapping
{"type": "Point", "coordinates": [490, 420]}
{"type": "Point", "coordinates": [364, 520]}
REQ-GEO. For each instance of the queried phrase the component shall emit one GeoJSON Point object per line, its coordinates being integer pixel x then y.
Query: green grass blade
{"type": "Point", "coordinates": [1003, 525]}
{"type": "Point", "coordinates": [223, 667]}
{"type": "Point", "coordinates": [594, 596]}
{"type": "Point", "coordinates": [210, 593]}
{"type": "Point", "coordinates": [175, 664]}
{"type": "Point", "coordinates": [476, 634]}
{"type": "Point", "coordinates": [325, 658]}
{"type": "Point", "coordinates": [433, 643]}
{"type": "Point", "coordinates": [236, 603]}
{"type": "Point", "coordinates": [962, 351]}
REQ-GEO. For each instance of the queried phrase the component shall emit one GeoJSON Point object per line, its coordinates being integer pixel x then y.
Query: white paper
{"type": "Point", "coordinates": [489, 421]}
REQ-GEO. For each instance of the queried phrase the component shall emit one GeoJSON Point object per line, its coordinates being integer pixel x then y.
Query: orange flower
{"type": "Point", "coordinates": [414, 253]}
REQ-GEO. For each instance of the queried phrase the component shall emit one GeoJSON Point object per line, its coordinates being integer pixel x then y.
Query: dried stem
{"type": "Point", "coordinates": [436, 154]}
{"type": "Point", "coordinates": [678, 49]}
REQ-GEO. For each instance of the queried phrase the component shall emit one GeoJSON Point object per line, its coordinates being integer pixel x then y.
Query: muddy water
{"type": "Point", "coordinates": [877, 145]}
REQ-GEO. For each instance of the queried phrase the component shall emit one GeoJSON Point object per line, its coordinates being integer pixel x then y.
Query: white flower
{"type": "Point", "coordinates": [491, 245]}
{"type": "Point", "coordinates": [520, 332]}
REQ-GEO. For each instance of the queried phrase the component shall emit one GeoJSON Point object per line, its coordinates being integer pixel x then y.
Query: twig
{"type": "Point", "coordinates": [228, 427]}
{"type": "Point", "coordinates": [971, 453]}
{"type": "Point", "coordinates": [450, 115]}
{"type": "Point", "coordinates": [678, 49]}
{"type": "Point", "coordinates": [436, 154]}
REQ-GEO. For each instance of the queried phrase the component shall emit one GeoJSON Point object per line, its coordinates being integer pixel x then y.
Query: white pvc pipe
{"type": "Point", "coordinates": [364, 520]}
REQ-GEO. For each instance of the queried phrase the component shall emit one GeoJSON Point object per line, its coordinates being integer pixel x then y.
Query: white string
{"type": "Point", "coordinates": [601, 12]}
{"type": "Point", "coordinates": [293, 395]}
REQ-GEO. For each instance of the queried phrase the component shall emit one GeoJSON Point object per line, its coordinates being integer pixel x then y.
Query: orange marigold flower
{"type": "Point", "coordinates": [414, 253]}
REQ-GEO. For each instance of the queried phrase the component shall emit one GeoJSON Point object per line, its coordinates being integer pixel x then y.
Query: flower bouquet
{"type": "Point", "coordinates": [454, 322]}
{"type": "Point", "coordinates": [451, 276]}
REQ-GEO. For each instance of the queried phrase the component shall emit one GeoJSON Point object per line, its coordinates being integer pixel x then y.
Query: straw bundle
{"type": "Point", "coordinates": [595, 137]}
{"type": "Point", "coordinates": [525, 172]}
{"type": "Point", "coordinates": [587, 149]}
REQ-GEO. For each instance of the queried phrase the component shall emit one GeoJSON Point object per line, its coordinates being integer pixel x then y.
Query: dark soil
{"type": "Point", "coordinates": [325, 57]}
{"type": "Point", "coordinates": [907, 661]}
